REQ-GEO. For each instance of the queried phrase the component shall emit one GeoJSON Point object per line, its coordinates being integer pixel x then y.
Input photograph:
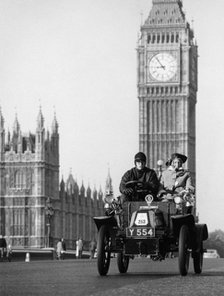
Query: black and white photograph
{"type": "Point", "coordinates": [111, 120]}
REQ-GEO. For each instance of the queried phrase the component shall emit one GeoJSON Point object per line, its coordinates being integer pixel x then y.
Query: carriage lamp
{"type": "Point", "coordinates": [178, 200]}
{"type": "Point", "coordinates": [160, 167]}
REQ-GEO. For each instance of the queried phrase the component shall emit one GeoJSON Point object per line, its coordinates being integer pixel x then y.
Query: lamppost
{"type": "Point", "coordinates": [49, 211]}
{"type": "Point", "coordinates": [160, 168]}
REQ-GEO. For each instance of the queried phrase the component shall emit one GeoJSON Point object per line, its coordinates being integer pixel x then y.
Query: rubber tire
{"type": "Point", "coordinates": [198, 261]}
{"type": "Point", "coordinates": [184, 254]}
{"type": "Point", "coordinates": [122, 262]}
{"type": "Point", "coordinates": [103, 250]}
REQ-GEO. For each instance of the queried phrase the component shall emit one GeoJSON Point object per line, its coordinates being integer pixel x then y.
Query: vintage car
{"type": "Point", "coordinates": [151, 229]}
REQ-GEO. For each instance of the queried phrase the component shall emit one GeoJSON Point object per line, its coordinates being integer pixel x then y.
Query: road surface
{"type": "Point", "coordinates": [80, 277]}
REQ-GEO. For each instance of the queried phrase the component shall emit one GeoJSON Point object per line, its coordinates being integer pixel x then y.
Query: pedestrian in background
{"type": "Point", "coordinates": [59, 249]}
{"type": "Point", "coordinates": [80, 247]}
{"type": "Point", "coordinates": [63, 249]}
{"type": "Point", "coordinates": [92, 248]}
{"type": "Point", "coordinates": [77, 249]}
{"type": "Point", "coordinates": [9, 253]}
{"type": "Point", "coordinates": [3, 246]}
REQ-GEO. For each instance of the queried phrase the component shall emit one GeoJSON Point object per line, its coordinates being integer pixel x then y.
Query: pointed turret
{"type": "Point", "coordinates": [55, 139]}
{"type": "Point", "coordinates": [94, 193]}
{"type": "Point", "coordinates": [70, 184]}
{"type": "Point", "coordinates": [109, 187]}
{"type": "Point", "coordinates": [15, 134]}
{"type": "Point", "coordinates": [2, 136]}
{"type": "Point", "coordinates": [88, 191]}
{"type": "Point", "coordinates": [82, 190]}
{"type": "Point", "coordinates": [100, 194]}
{"type": "Point", "coordinates": [40, 120]}
{"type": "Point", "coordinates": [1, 120]}
{"type": "Point", "coordinates": [40, 137]}
{"type": "Point", "coordinates": [62, 184]}
{"type": "Point", "coordinates": [54, 125]}
{"type": "Point", "coordinates": [16, 126]}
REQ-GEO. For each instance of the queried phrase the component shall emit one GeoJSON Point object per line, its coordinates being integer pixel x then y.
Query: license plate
{"type": "Point", "coordinates": [142, 232]}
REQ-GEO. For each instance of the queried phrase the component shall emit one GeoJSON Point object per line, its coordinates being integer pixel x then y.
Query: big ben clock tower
{"type": "Point", "coordinates": [167, 84]}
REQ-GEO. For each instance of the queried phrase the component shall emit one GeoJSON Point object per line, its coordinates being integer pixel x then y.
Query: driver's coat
{"type": "Point", "coordinates": [179, 180]}
{"type": "Point", "coordinates": [146, 175]}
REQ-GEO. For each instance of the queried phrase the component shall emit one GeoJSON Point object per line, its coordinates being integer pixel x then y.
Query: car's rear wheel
{"type": "Point", "coordinates": [103, 250]}
{"type": "Point", "coordinates": [122, 262]}
{"type": "Point", "coordinates": [198, 260]}
{"type": "Point", "coordinates": [184, 253]}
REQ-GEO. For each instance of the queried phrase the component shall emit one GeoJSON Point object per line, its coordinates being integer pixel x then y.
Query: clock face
{"type": "Point", "coordinates": [163, 66]}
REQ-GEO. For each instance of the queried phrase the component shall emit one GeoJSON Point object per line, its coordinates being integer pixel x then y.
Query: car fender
{"type": "Point", "coordinates": [179, 220]}
{"type": "Point", "coordinates": [201, 234]}
{"type": "Point", "coordinates": [105, 220]}
{"type": "Point", "coordinates": [202, 231]}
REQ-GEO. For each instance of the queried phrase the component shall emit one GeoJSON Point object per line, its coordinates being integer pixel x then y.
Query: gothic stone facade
{"type": "Point", "coordinates": [76, 209]}
{"type": "Point", "coordinates": [167, 84]}
{"type": "Point", "coordinates": [29, 180]}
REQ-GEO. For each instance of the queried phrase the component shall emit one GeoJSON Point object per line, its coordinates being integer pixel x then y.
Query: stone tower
{"type": "Point", "coordinates": [29, 177]}
{"type": "Point", "coordinates": [167, 84]}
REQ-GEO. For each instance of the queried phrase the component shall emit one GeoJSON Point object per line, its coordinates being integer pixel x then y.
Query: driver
{"type": "Point", "coordinates": [175, 178]}
{"type": "Point", "coordinates": [146, 176]}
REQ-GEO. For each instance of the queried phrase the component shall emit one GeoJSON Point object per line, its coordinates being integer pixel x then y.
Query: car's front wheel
{"type": "Point", "coordinates": [103, 250]}
{"type": "Point", "coordinates": [184, 253]}
{"type": "Point", "coordinates": [122, 262]}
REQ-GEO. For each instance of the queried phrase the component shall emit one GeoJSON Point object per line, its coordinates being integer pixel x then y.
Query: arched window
{"type": "Point", "coordinates": [20, 179]}
{"type": "Point", "coordinates": [167, 38]}
{"type": "Point", "coordinates": [153, 38]}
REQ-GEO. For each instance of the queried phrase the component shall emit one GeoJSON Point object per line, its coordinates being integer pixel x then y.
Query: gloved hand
{"type": "Point", "coordinates": [140, 185]}
{"type": "Point", "coordinates": [147, 186]}
{"type": "Point", "coordinates": [161, 194]}
{"type": "Point", "coordinates": [128, 191]}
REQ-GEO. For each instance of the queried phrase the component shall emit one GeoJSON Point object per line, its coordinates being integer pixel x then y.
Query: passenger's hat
{"type": "Point", "coordinates": [182, 157]}
{"type": "Point", "coordinates": [140, 156]}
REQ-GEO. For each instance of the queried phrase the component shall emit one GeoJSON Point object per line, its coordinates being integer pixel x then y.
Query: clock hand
{"type": "Point", "coordinates": [160, 63]}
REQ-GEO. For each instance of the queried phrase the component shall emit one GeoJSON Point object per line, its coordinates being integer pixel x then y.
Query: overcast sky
{"type": "Point", "coordinates": [78, 58]}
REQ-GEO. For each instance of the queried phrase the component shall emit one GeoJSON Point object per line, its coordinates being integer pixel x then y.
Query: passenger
{"type": "Point", "coordinates": [139, 173]}
{"type": "Point", "coordinates": [175, 178]}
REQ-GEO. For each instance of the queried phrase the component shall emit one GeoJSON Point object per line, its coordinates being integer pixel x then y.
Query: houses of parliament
{"type": "Point", "coordinates": [36, 208]}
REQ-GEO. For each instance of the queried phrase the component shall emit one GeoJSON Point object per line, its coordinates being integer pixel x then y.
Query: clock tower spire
{"type": "Point", "coordinates": [167, 83]}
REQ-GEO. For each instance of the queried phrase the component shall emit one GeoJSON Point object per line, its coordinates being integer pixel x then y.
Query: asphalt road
{"type": "Point", "coordinates": [80, 277]}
